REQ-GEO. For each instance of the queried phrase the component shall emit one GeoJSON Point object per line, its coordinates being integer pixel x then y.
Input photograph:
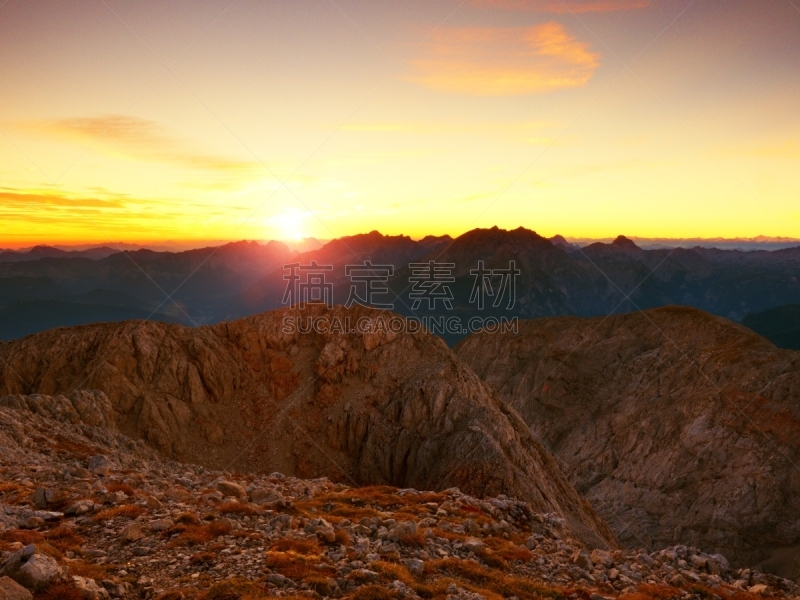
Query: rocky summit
{"type": "Point", "coordinates": [678, 427]}
{"type": "Point", "coordinates": [87, 512]}
{"type": "Point", "coordinates": [372, 408]}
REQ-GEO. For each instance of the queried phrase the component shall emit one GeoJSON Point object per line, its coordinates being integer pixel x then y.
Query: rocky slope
{"type": "Point", "coordinates": [371, 408]}
{"type": "Point", "coordinates": [87, 513]}
{"type": "Point", "coordinates": [679, 427]}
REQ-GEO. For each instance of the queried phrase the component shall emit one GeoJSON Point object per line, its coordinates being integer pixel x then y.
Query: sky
{"type": "Point", "coordinates": [146, 121]}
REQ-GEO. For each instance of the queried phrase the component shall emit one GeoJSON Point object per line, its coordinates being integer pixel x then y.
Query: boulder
{"type": "Point", "coordinates": [89, 589]}
{"type": "Point", "coordinates": [38, 572]}
{"type": "Point", "coordinates": [11, 590]}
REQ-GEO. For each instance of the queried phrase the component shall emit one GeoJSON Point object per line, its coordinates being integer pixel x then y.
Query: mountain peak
{"type": "Point", "coordinates": [623, 242]}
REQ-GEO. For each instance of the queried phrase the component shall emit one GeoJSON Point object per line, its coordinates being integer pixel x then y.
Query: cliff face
{"type": "Point", "coordinates": [374, 408]}
{"type": "Point", "coordinates": [679, 427]}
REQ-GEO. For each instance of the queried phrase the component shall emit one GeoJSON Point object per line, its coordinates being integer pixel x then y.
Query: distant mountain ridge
{"type": "Point", "coordinates": [213, 284]}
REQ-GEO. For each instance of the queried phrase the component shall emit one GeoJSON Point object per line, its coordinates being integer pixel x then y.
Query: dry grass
{"type": "Point", "coordinates": [188, 518]}
{"type": "Point", "coordinates": [391, 571]}
{"type": "Point", "coordinates": [653, 592]}
{"type": "Point", "coordinates": [64, 539]}
{"type": "Point", "coordinates": [121, 487]}
{"type": "Point", "coordinates": [296, 566]}
{"type": "Point", "coordinates": [195, 534]}
{"type": "Point", "coordinates": [239, 508]}
{"type": "Point", "coordinates": [128, 511]}
{"type": "Point", "coordinates": [343, 538]}
{"type": "Point", "coordinates": [372, 592]}
{"type": "Point", "coordinates": [60, 591]}
{"type": "Point", "coordinates": [321, 585]}
{"type": "Point", "coordinates": [305, 547]}
{"type": "Point", "coordinates": [235, 589]}
{"type": "Point", "coordinates": [22, 536]}
{"type": "Point", "coordinates": [13, 493]}
{"type": "Point", "coordinates": [489, 582]}
{"type": "Point", "coordinates": [416, 540]}
{"type": "Point", "coordinates": [92, 571]}
{"type": "Point", "coordinates": [357, 503]}
{"type": "Point", "coordinates": [219, 527]}
{"type": "Point", "coordinates": [506, 550]}
{"type": "Point", "coordinates": [191, 535]}
{"type": "Point", "coordinates": [173, 595]}
{"type": "Point", "coordinates": [74, 449]}
{"type": "Point", "coordinates": [202, 558]}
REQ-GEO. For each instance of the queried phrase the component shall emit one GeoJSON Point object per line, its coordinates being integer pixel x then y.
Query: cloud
{"type": "Point", "coordinates": [498, 61]}
{"type": "Point", "coordinates": [40, 198]}
{"type": "Point", "coordinates": [133, 138]}
{"type": "Point", "coordinates": [565, 7]}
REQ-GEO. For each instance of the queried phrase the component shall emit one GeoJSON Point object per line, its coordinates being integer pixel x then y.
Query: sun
{"type": "Point", "coordinates": [289, 224]}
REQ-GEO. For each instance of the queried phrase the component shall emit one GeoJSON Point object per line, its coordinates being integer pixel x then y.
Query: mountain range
{"type": "Point", "coordinates": [214, 284]}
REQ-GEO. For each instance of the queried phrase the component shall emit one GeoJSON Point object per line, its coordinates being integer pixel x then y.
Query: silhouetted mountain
{"type": "Point", "coordinates": [38, 252]}
{"type": "Point", "coordinates": [196, 280]}
{"type": "Point", "coordinates": [555, 278]}
{"type": "Point", "coordinates": [397, 251]}
{"type": "Point", "coordinates": [780, 325]}
{"type": "Point", "coordinates": [22, 287]}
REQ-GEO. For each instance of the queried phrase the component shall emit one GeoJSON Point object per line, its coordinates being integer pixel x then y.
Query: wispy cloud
{"type": "Point", "coordinates": [41, 198]}
{"type": "Point", "coordinates": [504, 61]}
{"type": "Point", "coordinates": [133, 138]}
{"type": "Point", "coordinates": [565, 7]}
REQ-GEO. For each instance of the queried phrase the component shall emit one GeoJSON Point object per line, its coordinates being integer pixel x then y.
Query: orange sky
{"type": "Point", "coordinates": [149, 121]}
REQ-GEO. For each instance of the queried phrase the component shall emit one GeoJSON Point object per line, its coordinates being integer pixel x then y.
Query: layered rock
{"type": "Point", "coordinates": [679, 427]}
{"type": "Point", "coordinates": [364, 408]}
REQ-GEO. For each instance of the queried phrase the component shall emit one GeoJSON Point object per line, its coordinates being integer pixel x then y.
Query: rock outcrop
{"type": "Point", "coordinates": [150, 528]}
{"type": "Point", "coordinates": [679, 427]}
{"type": "Point", "coordinates": [254, 395]}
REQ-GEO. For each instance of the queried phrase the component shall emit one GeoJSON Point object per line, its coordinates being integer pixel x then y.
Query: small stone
{"type": "Point", "coordinates": [474, 545]}
{"type": "Point", "coordinates": [602, 557]}
{"type": "Point", "coordinates": [698, 561]}
{"type": "Point", "coordinates": [415, 566]}
{"type": "Point", "coordinates": [160, 525]}
{"type": "Point", "coordinates": [269, 497]}
{"type": "Point", "coordinates": [33, 523]}
{"type": "Point", "coordinates": [326, 532]}
{"type": "Point", "coordinates": [228, 488]}
{"type": "Point", "coordinates": [132, 533]}
{"type": "Point", "coordinates": [718, 564]}
{"type": "Point", "coordinates": [95, 462]}
{"type": "Point", "coordinates": [759, 588]}
{"type": "Point", "coordinates": [277, 579]}
{"type": "Point", "coordinates": [42, 497]}
{"type": "Point", "coordinates": [581, 559]}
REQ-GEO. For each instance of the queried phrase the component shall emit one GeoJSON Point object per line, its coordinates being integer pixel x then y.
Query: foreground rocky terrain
{"type": "Point", "coordinates": [678, 427]}
{"type": "Point", "coordinates": [372, 408]}
{"type": "Point", "coordinates": [88, 513]}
